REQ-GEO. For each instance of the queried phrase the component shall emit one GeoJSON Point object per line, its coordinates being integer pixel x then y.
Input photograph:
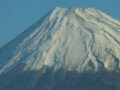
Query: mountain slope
{"type": "Point", "coordinates": [60, 80]}
{"type": "Point", "coordinates": [81, 39]}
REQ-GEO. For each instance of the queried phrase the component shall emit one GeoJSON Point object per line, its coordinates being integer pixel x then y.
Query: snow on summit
{"type": "Point", "coordinates": [80, 39]}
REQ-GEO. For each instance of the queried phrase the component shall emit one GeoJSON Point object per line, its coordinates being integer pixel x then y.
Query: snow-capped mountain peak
{"type": "Point", "coordinates": [72, 38]}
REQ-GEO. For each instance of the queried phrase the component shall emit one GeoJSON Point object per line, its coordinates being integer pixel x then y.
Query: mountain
{"type": "Point", "coordinates": [67, 49]}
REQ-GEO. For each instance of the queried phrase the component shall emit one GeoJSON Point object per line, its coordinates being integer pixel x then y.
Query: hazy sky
{"type": "Point", "coordinates": [17, 15]}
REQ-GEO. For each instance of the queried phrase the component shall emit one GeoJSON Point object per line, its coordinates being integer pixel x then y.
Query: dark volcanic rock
{"type": "Point", "coordinates": [60, 80]}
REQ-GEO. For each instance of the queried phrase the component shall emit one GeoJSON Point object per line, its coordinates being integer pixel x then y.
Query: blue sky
{"type": "Point", "coordinates": [17, 15]}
